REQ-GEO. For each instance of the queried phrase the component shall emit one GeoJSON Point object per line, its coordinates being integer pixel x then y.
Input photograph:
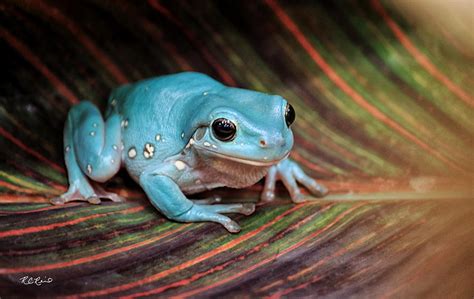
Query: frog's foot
{"type": "Point", "coordinates": [213, 213]}
{"type": "Point", "coordinates": [90, 194]}
{"type": "Point", "coordinates": [290, 174]}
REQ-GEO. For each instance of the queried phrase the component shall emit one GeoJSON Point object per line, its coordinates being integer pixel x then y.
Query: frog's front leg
{"type": "Point", "coordinates": [91, 151]}
{"type": "Point", "coordinates": [166, 196]}
{"type": "Point", "coordinates": [291, 174]}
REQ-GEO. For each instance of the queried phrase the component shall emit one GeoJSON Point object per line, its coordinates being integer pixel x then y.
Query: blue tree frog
{"type": "Point", "coordinates": [182, 134]}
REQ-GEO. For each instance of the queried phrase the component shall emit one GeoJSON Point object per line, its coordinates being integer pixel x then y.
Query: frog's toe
{"type": "Point", "coordinates": [322, 190]}
{"type": "Point", "coordinates": [57, 201]}
{"type": "Point", "coordinates": [267, 195]}
{"type": "Point", "coordinates": [314, 187]}
{"type": "Point", "coordinates": [241, 208]}
{"type": "Point", "coordinates": [112, 196]}
{"type": "Point", "coordinates": [248, 208]}
{"type": "Point", "coordinates": [299, 198]}
{"type": "Point", "coordinates": [94, 200]}
{"type": "Point", "coordinates": [118, 198]}
{"type": "Point", "coordinates": [101, 193]}
{"type": "Point", "coordinates": [232, 226]}
{"type": "Point", "coordinates": [211, 213]}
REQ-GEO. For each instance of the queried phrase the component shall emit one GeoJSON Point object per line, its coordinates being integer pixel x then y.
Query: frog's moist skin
{"type": "Point", "coordinates": [181, 134]}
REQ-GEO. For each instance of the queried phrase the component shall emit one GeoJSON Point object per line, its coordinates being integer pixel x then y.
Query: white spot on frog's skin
{"type": "Point", "coordinates": [182, 135]}
{"type": "Point", "coordinates": [213, 146]}
{"type": "Point", "coordinates": [205, 93]}
{"type": "Point", "coordinates": [207, 144]}
{"type": "Point", "coordinates": [92, 133]}
{"type": "Point", "coordinates": [265, 158]}
{"type": "Point", "coordinates": [89, 168]}
{"type": "Point", "coordinates": [190, 143]}
{"type": "Point", "coordinates": [94, 125]}
{"type": "Point", "coordinates": [114, 147]}
{"type": "Point", "coordinates": [113, 103]}
{"type": "Point", "coordinates": [148, 151]}
{"type": "Point", "coordinates": [125, 123]}
{"type": "Point", "coordinates": [67, 148]}
{"type": "Point", "coordinates": [179, 165]}
{"type": "Point", "coordinates": [158, 137]}
{"type": "Point", "coordinates": [112, 161]}
{"type": "Point", "coordinates": [122, 146]}
{"type": "Point", "coordinates": [132, 153]}
{"type": "Point", "coordinates": [198, 182]}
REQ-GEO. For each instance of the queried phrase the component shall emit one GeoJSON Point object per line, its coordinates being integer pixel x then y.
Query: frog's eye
{"type": "Point", "coordinates": [224, 129]}
{"type": "Point", "coordinates": [290, 115]}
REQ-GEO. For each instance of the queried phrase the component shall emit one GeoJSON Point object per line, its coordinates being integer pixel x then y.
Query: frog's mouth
{"type": "Point", "coordinates": [259, 163]}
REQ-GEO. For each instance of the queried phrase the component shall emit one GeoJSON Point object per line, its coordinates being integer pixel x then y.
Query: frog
{"type": "Point", "coordinates": [181, 134]}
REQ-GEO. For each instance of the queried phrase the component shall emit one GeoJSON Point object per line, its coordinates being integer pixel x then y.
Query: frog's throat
{"type": "Point", "coordinates": [245, 161]}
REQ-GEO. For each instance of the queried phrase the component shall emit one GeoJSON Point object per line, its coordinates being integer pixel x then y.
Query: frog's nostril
{"type": "Point", "coordinates": [272, 142]}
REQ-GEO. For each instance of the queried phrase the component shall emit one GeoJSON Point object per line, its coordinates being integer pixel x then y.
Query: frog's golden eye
{"type": "Point", "coordinates": [224, 129]}
{"type": "Point", "coordinates": [290, 115]}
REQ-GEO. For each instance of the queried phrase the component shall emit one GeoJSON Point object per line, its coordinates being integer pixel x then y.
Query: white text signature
{"type": "Point", "coordinates": [28, 280]}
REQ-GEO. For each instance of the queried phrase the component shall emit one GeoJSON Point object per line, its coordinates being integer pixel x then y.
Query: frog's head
{"type": "Point", "coordinates": [246, 127]}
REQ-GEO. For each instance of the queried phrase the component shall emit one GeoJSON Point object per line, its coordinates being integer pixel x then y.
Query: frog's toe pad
{"type": "Point", "coordinates": [112, 196]}
{"type": "Point", "coordinates": [267, 195]}
{"type": "Point", "coordinates": [301, 198]}
{"type": "Point", "coordinates": [248, 208]}
{"type": "Point", "coordinates": [323, 191]}
{"type": "Point", "coordinates": [57, 201]}
{"type": "Point", "coordinates": [94, 200]}
{"type": "Point", "coordinates": [232, 226]}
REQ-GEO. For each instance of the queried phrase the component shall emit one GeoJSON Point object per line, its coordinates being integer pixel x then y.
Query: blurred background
{"type": "Point", "coordinates": [384, 96]}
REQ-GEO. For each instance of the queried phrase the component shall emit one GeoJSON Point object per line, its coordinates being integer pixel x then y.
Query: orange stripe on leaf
{"type": "Point", "coordinates": [338, 81]}
{"type": "Point", "coordinates": [190, 263]}
{"type": "Point", "coordinates": [418, 55]}
{"type": "Point", "coordinates": [38, 229]}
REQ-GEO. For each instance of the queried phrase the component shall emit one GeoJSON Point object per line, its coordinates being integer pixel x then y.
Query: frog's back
{"type": "Point", "coordinates": [161, 92]}
{"type": "Point", "coordinates": [154, 114]}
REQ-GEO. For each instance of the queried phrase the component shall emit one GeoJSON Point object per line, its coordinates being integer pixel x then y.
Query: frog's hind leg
{"type": "Point", "coordinates": [91, 150]}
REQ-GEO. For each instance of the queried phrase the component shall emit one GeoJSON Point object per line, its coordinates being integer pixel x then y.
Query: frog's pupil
{"type": "Point", "coordinates": [223, 129]}
{"type": "Point", "coordinates": [290, 115]}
